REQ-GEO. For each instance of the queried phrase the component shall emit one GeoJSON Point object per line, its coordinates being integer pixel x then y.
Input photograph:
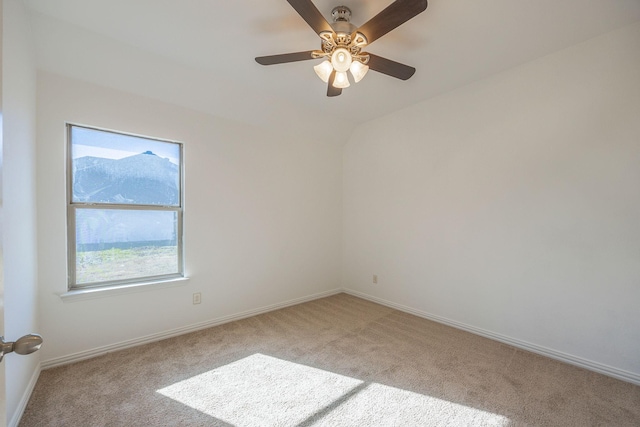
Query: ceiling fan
{"type": "Point", "coordinates": [342, 43]}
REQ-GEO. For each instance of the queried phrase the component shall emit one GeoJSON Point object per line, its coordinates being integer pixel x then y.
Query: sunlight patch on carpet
{"type": "Point", "coordinates": [260, 390]}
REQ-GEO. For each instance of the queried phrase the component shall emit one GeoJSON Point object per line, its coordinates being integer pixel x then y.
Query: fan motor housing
{"type": "Point", "coordinates": [341, 13]}
{"type": "Point", "coordinates": [341, 20]}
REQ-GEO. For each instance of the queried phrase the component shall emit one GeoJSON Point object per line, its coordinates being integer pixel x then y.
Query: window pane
{"type": "Point", "coordinates": [114, 168]}
{"type": "Point", "coordinates": [114, 244]}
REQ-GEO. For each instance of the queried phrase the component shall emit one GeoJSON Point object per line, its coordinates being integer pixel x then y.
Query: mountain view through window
{"type": "Point", "coordinates": [125, 207]}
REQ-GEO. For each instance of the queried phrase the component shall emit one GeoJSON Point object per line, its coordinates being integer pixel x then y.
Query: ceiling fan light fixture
{"type": "Point", "coordinates": [341, 59]}
{"type": "Point", "coordinates": [342, 80]}
{"type": "Point", "coordinates": [342, 43]}
{"type": "Point", "coordinates": [323, 70]}
{"type": "Point", "coordinates": [358, 70]}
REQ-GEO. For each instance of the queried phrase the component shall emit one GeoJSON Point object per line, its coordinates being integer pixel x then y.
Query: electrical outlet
{"type": "Point", "coordinates": [375, 278]}
{"type": "Point", "coordinates": [197, 298]}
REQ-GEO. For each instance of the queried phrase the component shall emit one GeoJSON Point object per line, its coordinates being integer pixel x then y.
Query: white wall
{"type": "Point", "coordinates": [19, 201]}
{"type": "Point", "coordinates": [262, 217]}
{"type": "Point", "coordinates": [511, 205]}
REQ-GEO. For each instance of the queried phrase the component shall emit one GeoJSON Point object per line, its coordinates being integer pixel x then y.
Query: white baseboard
{"type": "Point", "coordinates": [22, 405]}
{"type": "Point", "coordinates": [534, 348]}
{"type": "Point", "coordinates": [99, 351]}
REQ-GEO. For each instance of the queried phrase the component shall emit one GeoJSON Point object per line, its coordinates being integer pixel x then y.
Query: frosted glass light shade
{"type": "Point", "coordinates": [341, 59]}
{"type": "Point", "coordinates": [323, 70]}
{"type": "Point", "coordinates": [341, 81]}
{"type": "Point", "coordinates": [358, 70]}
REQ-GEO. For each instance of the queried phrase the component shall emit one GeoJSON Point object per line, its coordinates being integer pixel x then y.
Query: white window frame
{"type": "Point", "coordinates": [73, 207]}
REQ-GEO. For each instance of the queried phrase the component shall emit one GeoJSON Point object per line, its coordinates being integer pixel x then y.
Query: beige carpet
{"type": "Point", "coordinates": [337, 361]}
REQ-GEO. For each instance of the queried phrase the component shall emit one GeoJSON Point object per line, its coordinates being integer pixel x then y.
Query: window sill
{"type": "Point", "coordinates": [92, 293]}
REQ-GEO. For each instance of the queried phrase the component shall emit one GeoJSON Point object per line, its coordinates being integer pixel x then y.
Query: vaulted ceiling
{"type": "Point", "coordinates": [200, 53]}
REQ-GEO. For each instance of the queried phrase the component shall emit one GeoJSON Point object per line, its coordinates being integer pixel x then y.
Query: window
{"type": "Point", "coordinates": [124, 208]}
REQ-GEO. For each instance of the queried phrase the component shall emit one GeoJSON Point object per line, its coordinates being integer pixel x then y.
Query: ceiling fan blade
{"type": "Point", "coordinates": [311, 15]}
{"type": "Point", "coordinates": [283, 58]}
{"type": "Point", "coordinates": [396, 14]}
{"type": "Point", "coordinates": [331, 90]}
{"type": "Point", "coordinates": [389, 67]}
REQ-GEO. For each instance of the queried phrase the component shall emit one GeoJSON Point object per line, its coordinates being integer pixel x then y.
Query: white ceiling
{"type": "Point", "coordinates": [200, 53]}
